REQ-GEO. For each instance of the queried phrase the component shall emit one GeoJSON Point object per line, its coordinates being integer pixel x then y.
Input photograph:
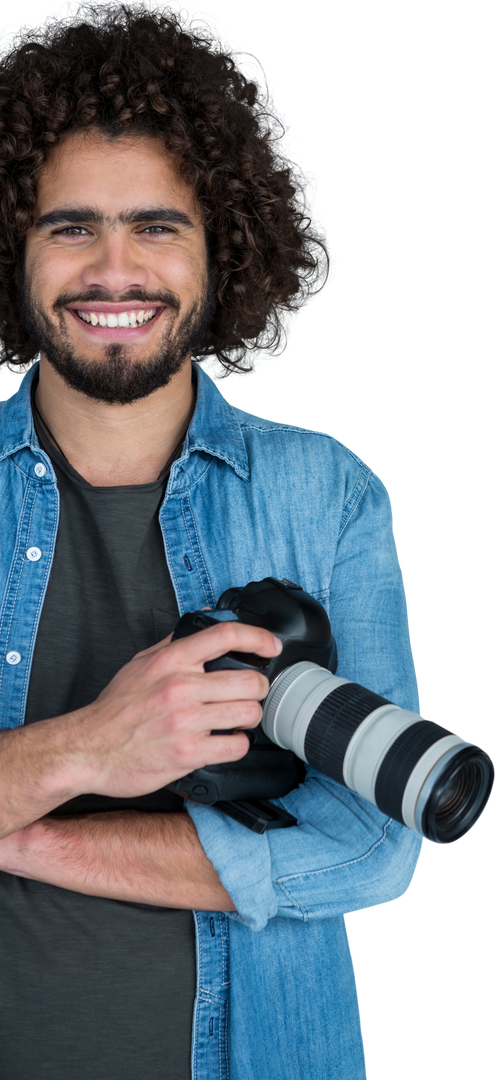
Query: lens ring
{"type": "Point", "coordinates": [459, 796]}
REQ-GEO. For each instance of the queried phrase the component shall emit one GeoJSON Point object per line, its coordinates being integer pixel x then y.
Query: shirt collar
{"type": "Point", "coordinates": [214, 428]}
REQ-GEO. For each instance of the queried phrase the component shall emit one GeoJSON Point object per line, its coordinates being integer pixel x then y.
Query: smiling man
{"type": "Point", "coordinates": [147, 220]}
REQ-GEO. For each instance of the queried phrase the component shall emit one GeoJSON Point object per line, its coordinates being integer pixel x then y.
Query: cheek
{"type": "Point", "coordinates": [49, 274]}
{"type": "Point", "coordinates": [182, 272]}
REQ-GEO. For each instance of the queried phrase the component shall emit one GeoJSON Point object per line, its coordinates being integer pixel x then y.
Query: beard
{"type": "Point", "coordinates": [118, 378]}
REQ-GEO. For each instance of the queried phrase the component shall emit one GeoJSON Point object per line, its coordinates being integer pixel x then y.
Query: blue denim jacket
{"type": "Point", "coordinates": [249, 498]}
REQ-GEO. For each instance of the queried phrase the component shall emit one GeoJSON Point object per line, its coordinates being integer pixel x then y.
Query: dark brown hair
{"type": "Point", "coordinates": [126, 69]}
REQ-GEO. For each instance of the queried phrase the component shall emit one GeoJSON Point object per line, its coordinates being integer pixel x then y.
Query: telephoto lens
{"type": "Point", "coordinates": [413, 770]}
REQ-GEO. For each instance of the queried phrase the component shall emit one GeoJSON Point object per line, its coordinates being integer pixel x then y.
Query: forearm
{"type": "Point", "coordinates": [124, 855]}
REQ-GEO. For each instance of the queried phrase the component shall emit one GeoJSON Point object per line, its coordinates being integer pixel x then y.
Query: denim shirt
{"type": "Point", "coordinates": [248, 499]}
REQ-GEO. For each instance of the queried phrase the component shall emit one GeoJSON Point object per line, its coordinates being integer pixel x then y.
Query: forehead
{"type": "Point", "coordinates": [87, 168]}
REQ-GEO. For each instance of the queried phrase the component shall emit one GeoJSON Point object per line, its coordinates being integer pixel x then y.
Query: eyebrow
{"type": "Point", "coordinates": [79, 215]}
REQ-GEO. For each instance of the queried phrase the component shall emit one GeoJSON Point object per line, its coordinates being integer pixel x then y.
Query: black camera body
{"type": "Point", "coordinates": [267, 771]}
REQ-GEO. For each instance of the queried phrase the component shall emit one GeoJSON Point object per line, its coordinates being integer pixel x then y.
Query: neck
{"type": "Point", "coordinates": [114, 445]}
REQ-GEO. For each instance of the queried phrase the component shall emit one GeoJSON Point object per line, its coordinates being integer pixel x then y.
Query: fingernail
{"type": "Point", "coordinates": [278, 643]}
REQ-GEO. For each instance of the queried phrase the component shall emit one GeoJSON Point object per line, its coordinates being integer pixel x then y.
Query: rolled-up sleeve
{"type": "Point", "coordinates": [344, 854]}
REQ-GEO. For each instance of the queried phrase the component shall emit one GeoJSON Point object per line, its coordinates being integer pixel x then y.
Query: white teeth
{"type": "Point", "coordinates": [124, 318]}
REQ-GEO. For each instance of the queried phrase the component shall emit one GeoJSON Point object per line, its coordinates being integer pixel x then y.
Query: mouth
{"type": "Point", "coordinates": [118, 333]}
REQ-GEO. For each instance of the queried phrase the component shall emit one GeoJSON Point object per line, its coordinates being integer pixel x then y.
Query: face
{"type": "Point", "coordinates": [115, 291]}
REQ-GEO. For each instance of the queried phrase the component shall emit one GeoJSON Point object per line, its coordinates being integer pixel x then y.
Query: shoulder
{"type": "Point", "coordinates": [317, 443]}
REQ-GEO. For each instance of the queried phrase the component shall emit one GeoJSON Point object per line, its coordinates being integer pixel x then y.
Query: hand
{"type": "Point", "coordinates": [152, 724]}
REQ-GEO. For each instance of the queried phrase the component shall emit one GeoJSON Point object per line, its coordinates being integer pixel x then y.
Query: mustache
{"type": "Point", "coordinates": [95, 297]}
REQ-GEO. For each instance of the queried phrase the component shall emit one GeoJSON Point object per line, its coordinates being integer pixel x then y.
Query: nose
{"type": "Point", "coordinates": [113, 265]}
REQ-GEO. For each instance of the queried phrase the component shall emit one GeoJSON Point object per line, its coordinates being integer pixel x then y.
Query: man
{"type": "Point", "coordinates": [147, 219]}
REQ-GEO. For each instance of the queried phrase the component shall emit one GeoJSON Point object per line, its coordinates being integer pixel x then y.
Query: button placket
{"type": "Point", "coordinates": [14, 657]}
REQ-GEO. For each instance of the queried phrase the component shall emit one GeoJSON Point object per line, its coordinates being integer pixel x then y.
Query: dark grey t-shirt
{"type": "Point", "coordinates": [91, 988]}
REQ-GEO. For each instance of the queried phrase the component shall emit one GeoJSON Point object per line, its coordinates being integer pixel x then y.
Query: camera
{"type": "Point", "coordinates": [415, 771]}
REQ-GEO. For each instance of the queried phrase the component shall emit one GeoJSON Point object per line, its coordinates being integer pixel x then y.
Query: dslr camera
{"type": "Point", "coordinates": [413, 770]}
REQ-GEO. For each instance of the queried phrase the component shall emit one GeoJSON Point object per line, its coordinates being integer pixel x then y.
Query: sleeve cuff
{"type": "Point", "coordinates": [242, 860]}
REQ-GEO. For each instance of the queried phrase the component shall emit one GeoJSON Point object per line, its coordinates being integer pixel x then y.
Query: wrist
{"type": "Point", "coordinates": [41, 766]}
{"type": "Point", "coordinates": [67, 770]}
{"type": "Point", "coordinates": [16, 848]}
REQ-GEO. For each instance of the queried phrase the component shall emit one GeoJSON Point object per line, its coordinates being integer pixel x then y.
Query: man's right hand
{"type": "Point", "coordinates": [152, 724]}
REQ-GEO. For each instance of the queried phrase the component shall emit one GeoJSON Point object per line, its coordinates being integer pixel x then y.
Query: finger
{"type": "Point", "coordinates": [226, 690]}
{"type": "Point", "coordinates": [231, 714]}
{"type": "Point", "coordinates": [228, 747]}
{"type": "Point", "coordinates": [223, 638]}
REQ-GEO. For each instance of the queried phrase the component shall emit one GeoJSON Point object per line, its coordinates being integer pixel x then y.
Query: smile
{"type": "Point", "coordinates": [111, 325]}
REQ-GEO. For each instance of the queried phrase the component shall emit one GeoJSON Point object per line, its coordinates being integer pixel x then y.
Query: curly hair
{"type": "Point", "coordinates": [121, 70]}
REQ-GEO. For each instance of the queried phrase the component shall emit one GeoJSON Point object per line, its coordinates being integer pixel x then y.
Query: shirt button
{"type": "Point", "coordinates": [33, 554]}
{"type": "Point", "coordinates": [13, 657]}
{"type": "Point", "coordinates": [40, 469]}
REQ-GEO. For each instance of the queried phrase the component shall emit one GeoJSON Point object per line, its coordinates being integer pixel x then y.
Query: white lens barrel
{"type": "Point", "coordinates": [369, 746]}
{"type": "Point", "coordinates": [294, 698]}
{"type": "Point", "coordinates": [292, 701]}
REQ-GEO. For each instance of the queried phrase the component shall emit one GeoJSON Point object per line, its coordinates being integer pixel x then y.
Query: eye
{"type": "Point", "coordinates": [68, 229]}
{"type": "Point", "coordinates": [159, 227]}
